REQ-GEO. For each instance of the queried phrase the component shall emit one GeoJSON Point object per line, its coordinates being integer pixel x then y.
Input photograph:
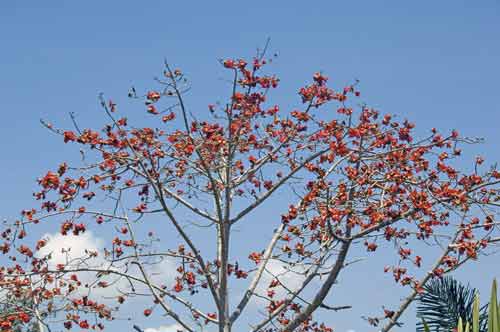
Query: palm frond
{"type": "Point", "coordinates": [443, 302]}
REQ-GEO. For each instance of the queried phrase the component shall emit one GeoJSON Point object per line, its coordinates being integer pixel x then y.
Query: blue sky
{"type": "Point", "coordinates": [434, 62]}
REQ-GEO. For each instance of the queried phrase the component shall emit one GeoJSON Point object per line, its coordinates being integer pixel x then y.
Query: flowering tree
{"type": "Point", "coordinates": [360, 179]}
{"type": "Point", "coordinates": [14, 309]}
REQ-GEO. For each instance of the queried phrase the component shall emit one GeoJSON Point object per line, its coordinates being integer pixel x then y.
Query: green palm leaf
{"type": "Point", "coordinates": [443, 302]}
{"type": "Point", "coordinates": [493, 323]}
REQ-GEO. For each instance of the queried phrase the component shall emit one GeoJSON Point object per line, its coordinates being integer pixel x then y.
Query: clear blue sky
{"type": "Point", "coordinates": [435, 62]}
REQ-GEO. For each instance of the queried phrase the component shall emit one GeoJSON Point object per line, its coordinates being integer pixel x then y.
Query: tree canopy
{"type": "Point", "coordinates": [351, 177]}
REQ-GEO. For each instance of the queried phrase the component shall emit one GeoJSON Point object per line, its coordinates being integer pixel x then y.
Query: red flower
{"type": "Point", "coordinates": [84, 324]}
{"type": "Point", "coordinates": [320, 79]}
{"type": "Point", "coordinates": [256, 257]}
{"type": "Point", "coordinates": [178, 286]}
{"type": "Point", "coordinates": [128, 243]}
{"type": "Point", "coordinates": [228, 63]}
{"type": "Point", "coordinates": [152, 109]}
{"type": "Point", "coordinates": [50, 181]}
{"type": "Point", "coordinates": [168, 117]}
{"type": "Point", "coordinates": [25, 318]}
{"type": "Point", "coordinates": [371, 246]}
{"type": "Point", "coordinates": [69, 136]}
{"type": "Point", "coordinates": [153, 96]}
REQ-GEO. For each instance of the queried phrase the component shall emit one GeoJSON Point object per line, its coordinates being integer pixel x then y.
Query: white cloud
{"type": "Point", "coordinates": [74, 252]}
{"type": "Point", "coordinates": [166, 328]}
{"type": "Point", "coordinates": [163, 272]}
{"type": "Point", "coordinates": [291, 277]}
{"type": "Point", "coordinates": [70, 249]}
{"type": "Point", "coordinates": [64, 248]}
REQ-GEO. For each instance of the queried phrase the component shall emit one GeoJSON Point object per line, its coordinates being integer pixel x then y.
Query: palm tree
{"type": "Point", "coordinates": [443, 302]}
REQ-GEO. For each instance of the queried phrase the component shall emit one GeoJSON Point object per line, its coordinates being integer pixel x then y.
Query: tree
{"type": "Point", "coordinates": [19, 313]}
{"type": "Point", "coordinates": [360, 178]}
{"type": "Point", "coordinates": [446, 300]}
